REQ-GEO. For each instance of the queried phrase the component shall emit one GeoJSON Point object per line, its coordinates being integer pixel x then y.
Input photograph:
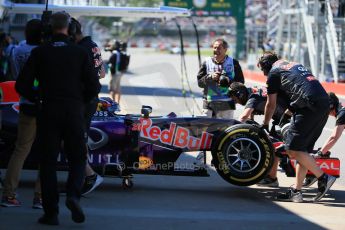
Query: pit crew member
{"type": "Point", "coordinates": [310, 106]}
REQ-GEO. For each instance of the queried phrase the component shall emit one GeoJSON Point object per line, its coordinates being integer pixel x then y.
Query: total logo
{"type": "Point", "coordinates": [330, 166]}
{"type": "Point", "coordinates": [176, 136]}
{"type": "Point", "coordinates": [145, 162]}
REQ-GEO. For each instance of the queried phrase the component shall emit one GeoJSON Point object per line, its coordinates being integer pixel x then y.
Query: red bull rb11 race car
{"type": "Point", "coordinates": [123, 145]}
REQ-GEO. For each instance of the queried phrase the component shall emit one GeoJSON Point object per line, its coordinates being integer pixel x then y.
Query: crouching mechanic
{"type": "Point", "coordinates": [254, 100]}
{"type": "Point", "coordinates": [310, 104]}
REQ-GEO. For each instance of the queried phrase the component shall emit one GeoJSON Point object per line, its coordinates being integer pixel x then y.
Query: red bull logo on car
{"type": "Point", "coordinates": [175, 135]}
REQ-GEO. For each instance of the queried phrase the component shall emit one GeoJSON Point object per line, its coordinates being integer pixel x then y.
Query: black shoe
{"type": "Point", "coordinates": [268, 182]}
{"type": "Point", "coordinates": [49, 220]}
{"type": "Point", "coordinates": [323, 155]}
{"type": "Point", "coordinates": [77, 212]}
{"type": "Point", "coordinates": [291, 195]}
{"type": "Point", "coordinates": [309, 181]}
{"type": "Point", "coordinates": [91, 182]}
{"type": "Point", "coordinates": [323, 185]}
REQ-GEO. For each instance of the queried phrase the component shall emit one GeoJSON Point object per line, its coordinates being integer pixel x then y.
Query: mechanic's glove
{"type": "Point", "coordinates": [252, 122]}
{"type": "Point", "coordinates": [273, 132]}
{"type": "Point", "coordinates": [264, 127]}
{"type": "Point", "coordinates": [323, 155]}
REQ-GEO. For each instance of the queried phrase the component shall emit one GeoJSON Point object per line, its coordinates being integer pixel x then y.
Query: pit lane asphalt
{"type": "Point", "coordinates": [165, 202]}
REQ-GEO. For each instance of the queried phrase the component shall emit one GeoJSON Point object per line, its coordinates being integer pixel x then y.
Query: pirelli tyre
{"type": "Point", "coordinates": [242, 154]}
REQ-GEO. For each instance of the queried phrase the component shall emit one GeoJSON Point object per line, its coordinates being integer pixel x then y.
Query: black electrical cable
{"type": "Point", "coordinates": [184, 72]}
{"type": "Point", "coordinates": [197, 40]}
{"type": "Point", "coordinates": [182, 69]}
{"type": "Point", "coordinates": [47, 2]}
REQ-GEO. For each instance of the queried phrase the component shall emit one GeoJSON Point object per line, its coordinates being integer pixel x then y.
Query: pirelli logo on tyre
{"type": "Point", "coordinates": [267, 150]}
{"type": "Point", "coordinates": [230, 134]}
{"type": "Point", "coordinates": [223, 166]}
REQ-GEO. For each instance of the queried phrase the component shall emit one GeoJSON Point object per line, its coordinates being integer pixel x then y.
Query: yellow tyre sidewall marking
{"type": "Point", "coordinates": [220, 147]}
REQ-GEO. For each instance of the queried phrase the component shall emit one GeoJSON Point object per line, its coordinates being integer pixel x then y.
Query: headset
{"type": "Point", "coordinates": [73, 24]}
{"type": "Point", "coordinates": [241, 93]}
{"type": "Point", "coordinates": [72, 27]}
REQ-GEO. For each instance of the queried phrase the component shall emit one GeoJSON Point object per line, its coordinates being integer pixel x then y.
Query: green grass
{"type": "Point", "coordinates": [203, 52]}
{"type": "Point", "coordinates": [191, 51]}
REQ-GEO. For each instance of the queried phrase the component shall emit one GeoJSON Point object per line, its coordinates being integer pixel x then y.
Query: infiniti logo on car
{"type": "Point", "coordinates": [96, 144]}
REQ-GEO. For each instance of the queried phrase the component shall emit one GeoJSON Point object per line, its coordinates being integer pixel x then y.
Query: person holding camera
{"type": "Point", "coordinates": [215, 76]}
{"type": "Point", "coordinates": [67, 80]}
{"type": "Point", "coordinates": [309, 103]}
{"type": "Point", "coordinates": [92, 179]}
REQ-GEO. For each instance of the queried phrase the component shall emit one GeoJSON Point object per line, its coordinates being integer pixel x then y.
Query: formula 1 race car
{"type": "Point", "coordinates": [122, 145]}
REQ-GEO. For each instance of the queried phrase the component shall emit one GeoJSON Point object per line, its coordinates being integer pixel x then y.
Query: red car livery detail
{"type": "Point", "coordinates": [176, 136]}
{"type": "Point", "coordinates": [330, 166]}
{"type": "Point", "coordinates": [9, 94]}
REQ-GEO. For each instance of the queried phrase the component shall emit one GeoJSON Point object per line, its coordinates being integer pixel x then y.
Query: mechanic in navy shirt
{"type": "Point", "coordinates": [92, 179]}
{"type": "Point", "coordinates": [254, 100]}
{"type": "Point", "coordinates": [309, 103]}
{"type": "Point", "coordinates": [338, 111]}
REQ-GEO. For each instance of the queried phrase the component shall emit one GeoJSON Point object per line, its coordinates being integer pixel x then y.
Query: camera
{"type": "Point", "coordinates": [224, 80]}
